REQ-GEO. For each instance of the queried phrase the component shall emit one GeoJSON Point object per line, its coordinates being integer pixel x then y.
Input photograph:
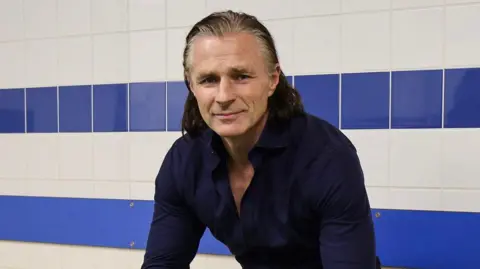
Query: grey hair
{"type": "Point", "coordinates": [283, 104]}
{"type": "Point", "coordinates": [222, 23]}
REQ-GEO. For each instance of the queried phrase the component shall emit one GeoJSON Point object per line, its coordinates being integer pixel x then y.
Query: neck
{"type": "Point", "coordinates": [239, 147]}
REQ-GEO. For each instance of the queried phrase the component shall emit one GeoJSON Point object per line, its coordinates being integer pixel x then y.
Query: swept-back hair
{"type": "Point", "coordinates": [285, 101]}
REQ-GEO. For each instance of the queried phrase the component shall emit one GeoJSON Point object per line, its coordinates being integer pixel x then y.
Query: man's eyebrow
{"type": "Point", "coordinates": [232, 70]}
{"type": "Point", "coordinates": [239, 69]}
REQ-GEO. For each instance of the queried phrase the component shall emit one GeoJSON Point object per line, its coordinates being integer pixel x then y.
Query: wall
{"type": "Point", "coordinates": [91, 97]}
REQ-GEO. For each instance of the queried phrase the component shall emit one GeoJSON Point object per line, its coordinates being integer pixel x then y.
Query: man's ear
{"type": "Point", "coordinates": [274, 79]}
{"type": "Point", "coordinates": [189, 83]}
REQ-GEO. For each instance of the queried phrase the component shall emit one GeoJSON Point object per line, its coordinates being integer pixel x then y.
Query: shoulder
{"type": "Point", "coordinates": [319, 138]}
{"type": "Point", "coordinates": [333, 168]}
{"type": "Point", "coordinates": [185, 150]}
{"type": "Point", "coordinates": [182, 162]}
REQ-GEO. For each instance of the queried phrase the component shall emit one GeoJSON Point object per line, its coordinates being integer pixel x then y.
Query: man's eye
{"type": "Point", "coordinates": [242, 77]}
{"type": "Point", "coordinates": [208, 80]}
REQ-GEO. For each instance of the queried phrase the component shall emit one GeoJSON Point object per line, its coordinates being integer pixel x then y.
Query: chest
{"type": "Point", "coordinates": [240, 179]}
{"type": "Point", "coordinates": [262, 206]}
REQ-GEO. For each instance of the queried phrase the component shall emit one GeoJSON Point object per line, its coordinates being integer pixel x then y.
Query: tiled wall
{"type": "Point", "coordinates": [91, 99]}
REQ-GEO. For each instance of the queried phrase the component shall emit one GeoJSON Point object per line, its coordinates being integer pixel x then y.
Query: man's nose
{"type": "Point", "coordinates": [225, 94]}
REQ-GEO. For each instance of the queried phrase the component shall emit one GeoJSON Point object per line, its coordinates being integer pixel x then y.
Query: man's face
{"type": "Point", "coordinates": [230, 81]}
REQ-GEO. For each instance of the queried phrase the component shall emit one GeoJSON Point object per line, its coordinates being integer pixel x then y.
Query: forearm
{"type": "Point", "coordinates": [349, 245]}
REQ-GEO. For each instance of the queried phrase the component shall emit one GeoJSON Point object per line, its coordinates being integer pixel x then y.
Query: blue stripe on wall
{"type": "Point", "coordinates": [405, 238]}
{"type": "Point", "coordinates": [12, 111]}
{"type": "Point", "coordinates": [75, 108]}
{"type": "Point", "coordinates": [377, 100]}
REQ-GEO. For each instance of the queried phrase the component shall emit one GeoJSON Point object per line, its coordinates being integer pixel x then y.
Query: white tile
{"type": "Point", "coordinates": [415, 158]}
{"type": "Point", "coordinates": [185, 12]}
{"type": "Point", "coordinates": [75, 61]}
{"type": "Point", "coordinates": [147, 151]}
{"type": "Point", "coordinates": [110, 58]}
{"type": "Point", "coordinates": [364, 5]}
{"type": "Point", "coordinates": [461, 200]}
{"type": "Point", "coordinates": [460, 154]}
{"type": "Point", "coordinates": [142, 191]}
{"type": "Point", "coordinates": [74, 256]}
{"type": "Point", "coordinates": [13, 187]}
{"type": "Point", "coordinates": [112, 190]}
{"type": "Point", "coordinates": [12, 71]}
{"type": "Point", "coordinates": [76, 156]}
{"type": "Point", "coordinates": [112, 258]}
{"type": "Point", "coordinates": [41, 62]}
{"type": "Point", "coordinates": [76, 189]}
{"type": "Point", "coordinates": [109, 16]}
{"type": "Point", "coordinates": [46, 188]}
{"type": "Point", "coordinates": [175, 47]}
{"type": "Point", "coordinates": [42, 157]}
{"type": "Point", "coordinates": [136, 258]}
{"type": "Point", "coordinates": [46, 256]}
{"type": "Point", "coordinates": [462, 36]}
{"type": "Point", "coordinates": [15, 254]}
{"type": "Point", "coordinates": [222, 261]}
{"type": "Point", "coordinates": [366, 42]}
{"type": "Point", "coordinates": [397, 4]}
{"type": "Point", "coordinates": [200, 262]}
{"type": "Point", "coordinates": [74, 17]}
{"type": "Point", "coordinates": [40, 18]}
{"type": "Point", "coordinates": [373, 152]}
{"type": "Point", "coordinates": [461, 1]}
{"type": "Point", "coordinates": [110, 156]}
{"type": "Point", "coordinates": [379, 197]}
{"type": "Point", "coordinates": [417, 38]}
{"type": "Point", "coordinates": [263, 10]}
{"type": "Point", "coordinates": [12, 25]}
{"type": "Point", "coordinates": [147, 14]}
{"type": "Point", "coordinates": [148, 53]}
{"type": "Point", "coordinates": [222, 5]}
{"type": "Point", "coordinates": [316, 7]}
{"type": "Point", "coordinates": [13, 164]}
{"type": "Point", "coordinates": [416, 199]}
{"type": "Point", "coordinates": [282, 32]}
{"type": "Point", "coordinates": [317, 45]}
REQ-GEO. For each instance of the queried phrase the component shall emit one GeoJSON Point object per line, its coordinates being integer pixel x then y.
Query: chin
{"type": "Point", "coordinates": [230, 130]}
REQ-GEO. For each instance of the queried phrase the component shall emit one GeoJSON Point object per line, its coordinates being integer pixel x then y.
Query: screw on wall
{"type": "Point", "coordinates": [377, 215]}
{"type": "Point", "coordinates": [132, 244]}
{"type": "Point", "coordinates": [132, 204]}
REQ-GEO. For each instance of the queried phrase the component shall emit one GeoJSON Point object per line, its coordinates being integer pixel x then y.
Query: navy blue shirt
{"type": "Point", "coordinates": [306, 207]}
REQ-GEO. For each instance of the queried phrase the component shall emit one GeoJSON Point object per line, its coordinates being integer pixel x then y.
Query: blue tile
{"type": "Point", "coordinates": [110, 108]}
{"type": "Point", "coordinates": [320, 95]}
{"type": "Point", "coordinates": [147, 106]}
{"type": "Point", "coordinates": [417, 99]}
{"type": "Point", "coordinates": [12, 111]}
{"type": "Point", "coordinates": [75, 106]}
{"type": "Point", "coordinates": [290, 80]}
{"type": "Point", "coordinates": [177, 93]}
{"type": "Point", "coordinates": [42, 110]}
{"type": "Point", "coordinates": [365, 100]}
{"type": "Point", "coordinates": [462, 98]}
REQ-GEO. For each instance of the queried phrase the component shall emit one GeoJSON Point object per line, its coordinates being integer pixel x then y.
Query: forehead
{"type": "Point", "coordinates": [218, 54]}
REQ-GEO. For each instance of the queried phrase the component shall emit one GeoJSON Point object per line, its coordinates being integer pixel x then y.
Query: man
{"type": "Point", "coordinates": [279, 187]}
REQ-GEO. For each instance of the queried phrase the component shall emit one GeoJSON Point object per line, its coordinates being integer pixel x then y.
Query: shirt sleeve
{"type": "Point", "coordinates": [347, 238]}
{"type": "Point", "coordinates": [175, 232]}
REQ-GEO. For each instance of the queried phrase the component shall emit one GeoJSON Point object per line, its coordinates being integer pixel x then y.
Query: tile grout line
{"type": "Point", "coordinates": [92, 73]}
{"type": "Point", "coordinates": [390, 73]}
{"type": "Point", "coordinates": [166, 66]}
{"type": "Point", "coordinates": [340, 72]}
{"type": "Point", "coordinates": [129, 55]}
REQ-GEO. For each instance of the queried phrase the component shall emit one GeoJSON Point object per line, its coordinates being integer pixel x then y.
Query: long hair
{"type": "Point", "coordinates": [285, 102]}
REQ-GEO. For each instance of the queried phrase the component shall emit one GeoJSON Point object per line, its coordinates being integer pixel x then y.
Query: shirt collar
{"type": "Point", "coordinates": [274, 135]}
